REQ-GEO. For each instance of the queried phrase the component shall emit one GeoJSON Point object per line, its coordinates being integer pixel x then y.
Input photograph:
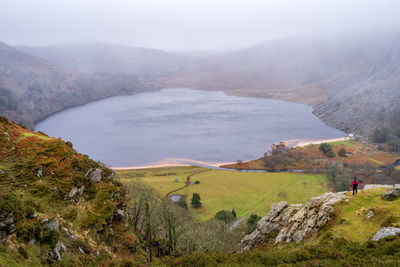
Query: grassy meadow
{"type": "Point", "coordinates": [246, 192]}
{"type": "Point", "coordinates": [351, 223]}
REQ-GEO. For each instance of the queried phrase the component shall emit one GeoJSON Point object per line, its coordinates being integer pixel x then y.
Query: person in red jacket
{"type": "Point", "coordinates": [354, 185]}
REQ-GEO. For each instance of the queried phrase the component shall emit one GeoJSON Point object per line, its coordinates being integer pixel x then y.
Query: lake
{"type": "Point", "coordinates": [207, 126]}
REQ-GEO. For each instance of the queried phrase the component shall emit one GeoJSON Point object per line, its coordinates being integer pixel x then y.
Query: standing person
{"type": "Point", "coordinates": [354, 185]}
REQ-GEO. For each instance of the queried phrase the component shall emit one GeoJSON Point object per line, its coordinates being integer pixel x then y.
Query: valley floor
{"type": "Point", "coordinates": [245, 192]}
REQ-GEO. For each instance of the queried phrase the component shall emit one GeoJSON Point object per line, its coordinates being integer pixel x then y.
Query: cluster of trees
{"type": "Point", "coordinates": [165, 228]}
{"type": "Point", "coordinates": [226, 216]}
{"type": "Point", "coordinates": [251, 223]}
{"type": "Point", "coordinates": [327, 150]}
{"type": "Point", "coordinates": [280, 157]}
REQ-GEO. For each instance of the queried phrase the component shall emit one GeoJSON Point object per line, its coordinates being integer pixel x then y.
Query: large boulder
{"type": "Point", "coordinates": [287, 223]}
{"type": "Point", "coordinates": [391, 195]}
{"type": "Point", "coordinates": [386, 231]}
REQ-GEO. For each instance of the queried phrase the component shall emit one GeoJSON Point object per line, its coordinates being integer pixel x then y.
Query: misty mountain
{"type": "Point", "coordinates": [370, 102]}
{"type": "Point", "coordinates": [361, 73]}
{"type": "Point", "coordinates": [32, 88]}
{"type": "Point", "coordinates": [111, 58]}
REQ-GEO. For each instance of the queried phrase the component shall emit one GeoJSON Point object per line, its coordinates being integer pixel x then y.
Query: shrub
{"type": "Point", "coordinates": [83, 245]}
{"type": "Point", "coordinates": [182, 203]}
{"type": "Point", "coordinates": [9, 203]}
{"type": "Point", "coordinates": [225, 216]}
{"type": "Point", "coordinates": [342, 152]}
{"type": "Point", "coordinates": [252, 223]}
{"type": "Point", "coordinates": [195, 201]}
{"type": "Point", "coordinates": [23, 252]}
{"type": "Point", "coordinates": [69, 144]}
{"type": "Point", "coordinates": [3, 120]}
{"type": "Point", "coordinates": [29, 211]}
{"type": "Point", "coordinates": [327, 150]}
{"type": "Point", "coordinates": [197, 182]}
{"type": "Point", "coordinates": [28, 230]}
{"type": "Point", "coordinates": [234, 213]}
{"type": "Point", "coordinates": [50, 237]}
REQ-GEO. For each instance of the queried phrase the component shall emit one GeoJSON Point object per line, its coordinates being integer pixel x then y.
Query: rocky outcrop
{"type": "Point", "coordinates": [58, 252]}
{"type": "Point", "coordinates": [287, 223]}
{"type": "Point", "coordinates": [386, 231]}
{"type": "Point", "coordinates": [391, 195]}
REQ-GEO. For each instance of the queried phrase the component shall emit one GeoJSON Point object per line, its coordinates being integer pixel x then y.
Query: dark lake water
{"type": "Point", "coordinates": [182, 123]}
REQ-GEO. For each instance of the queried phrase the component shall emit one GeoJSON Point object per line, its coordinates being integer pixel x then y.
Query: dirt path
{"type": "Point", "coordinates": [237, 222]}
{"type": "Point", "coordinates": [186, 185]}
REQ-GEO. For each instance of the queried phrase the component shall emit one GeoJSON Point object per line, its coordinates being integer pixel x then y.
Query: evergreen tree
{"type": "Point", "coordinates": [195, 201]}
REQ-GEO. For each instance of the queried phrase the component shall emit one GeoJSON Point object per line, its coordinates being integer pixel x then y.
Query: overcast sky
{"type": "Point", "coordinates": [188, 24]}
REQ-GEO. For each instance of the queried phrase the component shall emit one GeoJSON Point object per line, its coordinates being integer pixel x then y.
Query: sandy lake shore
{"type": "Point", "coordinates": [306, 142]}
{"type": "Point", "coordinates": [174, 162]}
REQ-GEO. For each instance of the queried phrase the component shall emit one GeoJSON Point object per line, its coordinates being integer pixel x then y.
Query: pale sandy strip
{"type": "Point", "coordinates": [306, 142]}
{"type": "Point", "coordinates": [173, 162]}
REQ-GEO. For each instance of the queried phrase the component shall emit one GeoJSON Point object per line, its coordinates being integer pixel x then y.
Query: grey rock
{"type": "Point", "coordinates": [285, 223]}
{"type": "Point", "coordinates": [72, 192]}
{"type": "Point", "coordinates": [81, 250]}
{"type": "Point", "coordinates": [58, 252]}
{"type": "Point", "coordinates": [51, 225]}
{"type": "Point", "coordinates": [94, 174]}
{"type": "Point", "coordinates": [7, 223]}
{"type": "Point", "coordinates": [369, 214]}
{"type": "Point", "coordinates": [384, 232]}
{"type": "Point", "coordinates": [391, 195]}
{"type": "Point", "coordinates": [40, 171]}
{"type": "Point", "coordinates": [32, 241]}
{"type": "Point", "coordinates": [397, 186]}
{"type": "Point", "coordinates": [80, 190]}
{"type": "Point", "coordinates": [2, 172]}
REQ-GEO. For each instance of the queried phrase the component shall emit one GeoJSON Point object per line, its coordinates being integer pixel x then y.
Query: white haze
{"type": "Point", "coordinates": [189, 24]}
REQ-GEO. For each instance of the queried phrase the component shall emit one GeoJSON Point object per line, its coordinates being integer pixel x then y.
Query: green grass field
{"type": "Point", "coordinates": [246, 192]}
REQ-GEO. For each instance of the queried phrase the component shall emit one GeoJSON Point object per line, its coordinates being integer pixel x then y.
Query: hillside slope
{"type": "Point", "coordinates": [351, 83]}
{"type": "Point", "coordinates": [111, 58]}
{"type": "Point", "coordinates": [32, 88]}
{"type": "Point", "coordinates": [344, 235]}
{"type": "Point", "coordinates": [370, 102]}
{"type": "Point", "coordinates": [57, 205]}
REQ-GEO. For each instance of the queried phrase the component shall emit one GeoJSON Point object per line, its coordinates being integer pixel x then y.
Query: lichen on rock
{"type": "Point", "coordinates": [292, 222]}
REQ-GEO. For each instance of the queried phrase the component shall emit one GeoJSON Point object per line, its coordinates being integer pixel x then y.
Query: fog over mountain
{"type": "Point", "coordinates": [341, 57]}
{"type": "Point", "coordinates": [189, 25]}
